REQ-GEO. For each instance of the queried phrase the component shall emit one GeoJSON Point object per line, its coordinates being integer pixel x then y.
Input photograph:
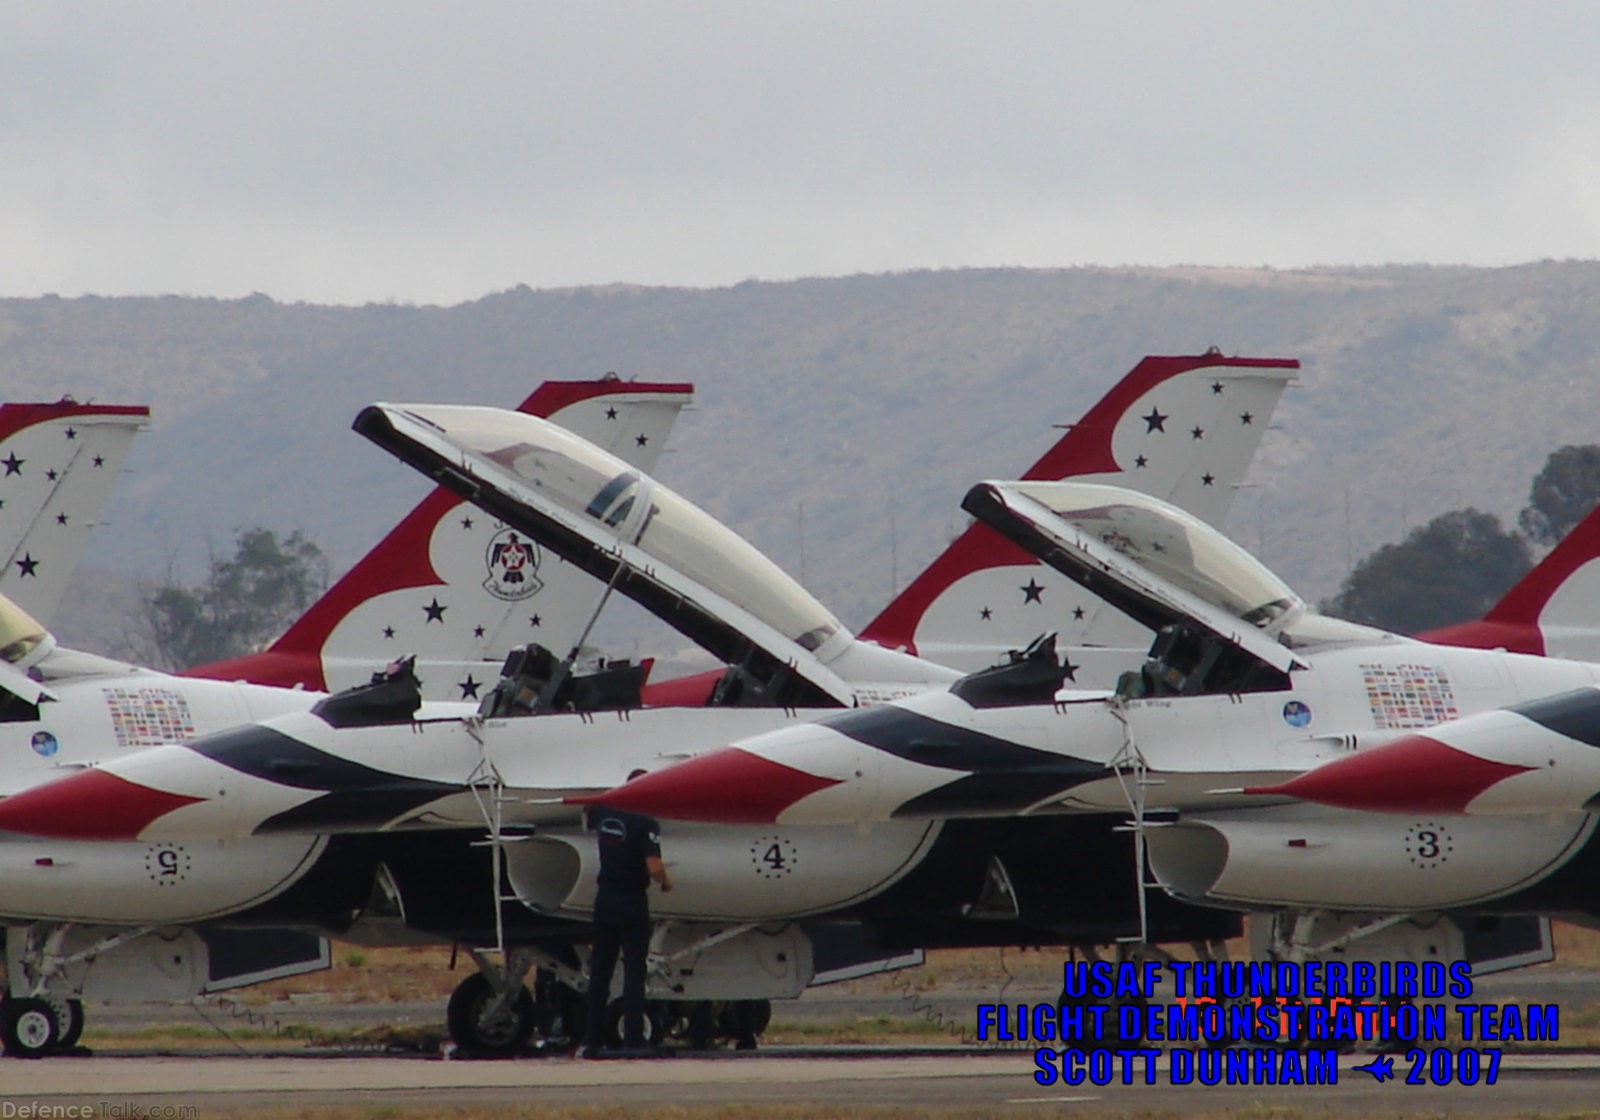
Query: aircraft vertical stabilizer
{"type": "Point", "coordinates": [1182, 429]}
{"type": "Point", "coordinates": [57, 464]}
{"type": "Point", "coordinates": [1553, 611]}
{"type": "Point", "coordinates": [455, 586]}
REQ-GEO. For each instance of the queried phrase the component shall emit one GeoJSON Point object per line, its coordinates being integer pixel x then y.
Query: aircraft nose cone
{"type": "Point", "coordinates": [1414, 774]}
{"type": "Point", "coordinates": [727, 786]}
{"type": "Point", "coordinates": [91, 805]}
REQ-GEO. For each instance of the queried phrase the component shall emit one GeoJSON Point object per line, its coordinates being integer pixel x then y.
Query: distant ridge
{"type": "Point", "coordinates": [1424, 389]}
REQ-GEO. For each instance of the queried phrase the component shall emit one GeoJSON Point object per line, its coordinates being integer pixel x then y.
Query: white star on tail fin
{"type": "Point", "coordinates": [1183, 429]}
{"type": "Point", "coordinates": [57, 464]}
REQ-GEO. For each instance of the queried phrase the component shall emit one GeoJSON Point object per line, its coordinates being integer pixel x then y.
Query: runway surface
{"type": "Point", "coordinates": [927, 1077]}
{"type": "Point", "coordinates": [921, 1079]}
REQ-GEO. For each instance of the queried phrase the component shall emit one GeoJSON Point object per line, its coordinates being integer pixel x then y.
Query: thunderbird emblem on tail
{"type": "Point", "coordinates": [513, 566]}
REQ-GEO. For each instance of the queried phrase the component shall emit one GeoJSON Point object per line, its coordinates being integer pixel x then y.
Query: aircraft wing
{"type": "Point", "coordinates": [1158, 565]}
{"type": "Point", "coordinates": [627, 530]}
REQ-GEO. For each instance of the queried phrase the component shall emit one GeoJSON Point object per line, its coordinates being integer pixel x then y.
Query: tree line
{"type": "Point", "coordinates": [244, 602]}
{"type": "Point", "coordinates": [1457, 566]}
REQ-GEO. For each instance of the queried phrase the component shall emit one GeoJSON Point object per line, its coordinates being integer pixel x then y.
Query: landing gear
{"type": "Point", "coordinates": [69, 1013]}
{"type": "Point", "coordinates": [492, 1014]}
{"type": "Point", "coordinates": [745, 1020]}
{"type": "Point", "coordinates": [653, 1027]}
{"type": "Point", "coordinates": [702, 1022]}
{"type": "Point", "coordinates": [490, 1023]}
{"type": "Point", "coordinates": [46, 1020]}
{"type": "Point", "coordinates": [559, 1009]}
{"type": "Point", "coordinates": [29, 1027]}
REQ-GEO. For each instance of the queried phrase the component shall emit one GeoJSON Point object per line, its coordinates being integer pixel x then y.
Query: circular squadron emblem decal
{"type": "Point", "coordinates": [513, 563]}
{"type": "Point", "coordinates": [45, 744]}
{"type": "Point", "coordinates": [1296, 713]}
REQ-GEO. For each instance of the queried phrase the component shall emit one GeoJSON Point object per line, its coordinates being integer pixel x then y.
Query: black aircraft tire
{"type": "Point", "coordinates": [560, 1011]}
{"type": "Point", "coordinates": [464, 1017]}
{"type": "Point", "coordinates": [574, 1012]}
{"type": "Point", "coordinates": [653, 1024]}
{"type": "Point", "coordinates": [28, 1027]}
{"type": "Point", "coordinates": [746, 1016]}
{"type": "Point", "coordinates": [69, 1013]}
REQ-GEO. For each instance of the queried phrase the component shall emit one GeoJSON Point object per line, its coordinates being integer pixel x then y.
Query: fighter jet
{"type": "Point", "coordinates": [757, 675]}
{"type": "Point", "coordinates": [79, 917]}
{"type": "Point", "coordinates": [1245, 690]}
{"type": "Point", "coordinates": [1005, 743]}
{"type": "Point", "coordinates": [601, 516]}
{"type": "Point", "coordinates": [1466, 765]}
{"type": "Point", "coordinates": [1243, 682]}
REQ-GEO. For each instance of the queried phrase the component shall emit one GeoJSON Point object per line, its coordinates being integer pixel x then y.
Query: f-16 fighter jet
{"type": "Point", "coordinates": [602, 516]}
{"type": "Point", "coordinates": [1108, 440]}
{"type": "Point", "coordinates": [1536, 756]}
{"type": "Point", "coordinates": [1218, 697]}
{"type": "Point", "coordinates": [1205, 745]}
{"type": "Point", "coordinates": [1243, 681]}
{"type": "Point", "coordinates": [79, 917]}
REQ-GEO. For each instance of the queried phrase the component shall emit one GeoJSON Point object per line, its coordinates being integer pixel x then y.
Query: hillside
{"type": "Point", "coordinates": [1424, 389]}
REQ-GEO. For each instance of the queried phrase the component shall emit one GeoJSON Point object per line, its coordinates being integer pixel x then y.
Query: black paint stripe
{"type": "Point", "coordinates": [265, 753]}
{"type": "Point", "coordinates": [997, 793]}
{"type": "Point", "coordinates": [354, 810]}
{"type": "Point", "coordinates": [1575, 714]}
{"type": "Point", "coordinates": [917, 738]}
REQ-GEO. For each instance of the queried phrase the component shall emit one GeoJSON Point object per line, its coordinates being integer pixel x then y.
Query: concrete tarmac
{"type": "Point", "coordinates": [926, 1079]}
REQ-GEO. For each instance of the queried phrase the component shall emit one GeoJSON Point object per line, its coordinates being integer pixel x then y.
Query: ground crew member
{"type": "Point", "coordinates": [630, 857]}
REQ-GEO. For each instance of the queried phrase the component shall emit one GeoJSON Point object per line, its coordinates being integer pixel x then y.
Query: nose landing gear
{"type": "Point", "coordinates": [33, 1027]}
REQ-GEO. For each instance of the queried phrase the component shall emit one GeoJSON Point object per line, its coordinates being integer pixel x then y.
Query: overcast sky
{"type": "Point", "coordinates": [349, 152]}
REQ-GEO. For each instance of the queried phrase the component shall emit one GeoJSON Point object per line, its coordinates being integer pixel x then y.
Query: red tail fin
{"type": "Point", "coordinates": [1181, 428]}
{"type": "Point", "coordinates": [1553, 611]}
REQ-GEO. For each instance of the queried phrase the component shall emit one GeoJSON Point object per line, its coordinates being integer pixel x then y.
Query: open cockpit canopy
{"type": "Point", "coordinates": [20, 635]}
{"type": "Point", "coordinates": [625, 528]}
{"type": "Point", "coordinates": [1174, 546]}
{"type": "Point", "coordinates": [1213, 606]}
